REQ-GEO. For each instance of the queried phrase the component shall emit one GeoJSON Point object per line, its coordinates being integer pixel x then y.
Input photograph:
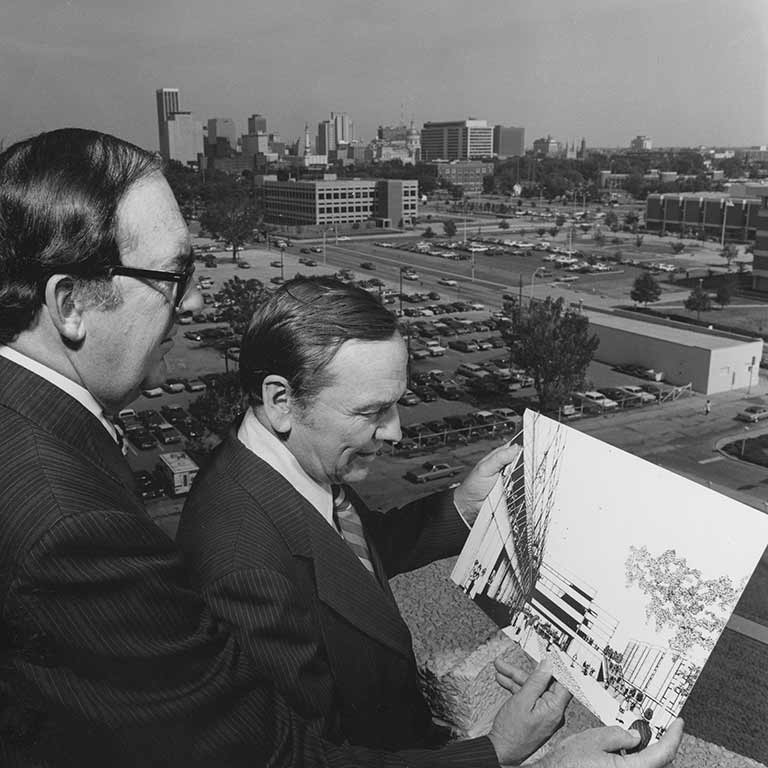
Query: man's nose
{"type": "Point", "coordinates": [389, 428]}
{"type": "Point", "coordinates": [193, 301]}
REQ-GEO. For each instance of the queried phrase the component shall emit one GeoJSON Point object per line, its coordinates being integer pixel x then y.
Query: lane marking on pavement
{"type": "Point", "coordinates": [712, 459]}
{"type": "Point", "coordinates": [748, 628]}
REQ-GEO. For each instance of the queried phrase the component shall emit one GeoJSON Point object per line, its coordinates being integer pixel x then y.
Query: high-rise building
{"type": "Point", "coordinates": [257, 124]}
{"type": "Point", "coordinates": [180, 135]}
{"type": "Point", "coordinates": [343, 128]}
{"type": "Point", "coordinates": [222, 128]}
{"type": "Point", "coordinates": [508, 141]}
{"type": "Point", "coordinates": [458, 140]}
{"type": "Point", "coordinates": [185, 138]}
{"type": "Point", "coordinates": [167, 105]}
{"type": "Point", "coordinates": [326, 138]}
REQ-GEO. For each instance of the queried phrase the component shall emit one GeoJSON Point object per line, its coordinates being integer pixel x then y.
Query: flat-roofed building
{"type": "Point", "coordinates": [468, 174]}
{"type": "Point", "coordinates": [185, 138]}
{"type": "Point", "coordinates": [760, 262]}
{"type": "Point", "coordinates": [339, 201]}
{"type": "Point", "coordinates": [714, 215]}
{"type": "Point", "coordinates": [508, 141]}
{"type": "Point", "coordinates": [710, 361]}
{"type": "Point", "coordinates": [457, 140]}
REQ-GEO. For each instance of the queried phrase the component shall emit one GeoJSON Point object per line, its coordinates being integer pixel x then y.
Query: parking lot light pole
{"type": "Point", "coordinates": [325, 258]}
{"type": "Point", "coordinates": [401, 293]}
{"type": "Point", "coordinates": [282, 265]}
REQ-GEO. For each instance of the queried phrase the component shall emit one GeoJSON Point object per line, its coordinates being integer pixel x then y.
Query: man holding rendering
{"type": "Point", "coordinates": [285, 551]}
{"type": "Point", "coordinates": [107, 656]}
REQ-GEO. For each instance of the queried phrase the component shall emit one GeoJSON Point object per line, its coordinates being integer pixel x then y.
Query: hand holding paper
{"type": "Point", "coordinates": [529, 717]}
{"type": "Point", "coordinates": [471, 494]}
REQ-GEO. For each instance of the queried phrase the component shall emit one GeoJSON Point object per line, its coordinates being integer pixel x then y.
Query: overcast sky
{"type": "Point", "coordinates": [684, 72]}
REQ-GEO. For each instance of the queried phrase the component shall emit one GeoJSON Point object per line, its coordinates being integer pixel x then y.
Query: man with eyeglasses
{"type": "Point", "coordinates": [107, 656]}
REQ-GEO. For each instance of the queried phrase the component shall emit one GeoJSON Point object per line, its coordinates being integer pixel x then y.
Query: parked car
{"type": "Point", "coordinates": [447, 281]}
{"type": "Point", "coordinates": [276, 264]}
{"type": "Point", "coordinates": [146, 484]}
{"type": "Point", "coordinates": [633, 389]}
{"type": "Point", "coordinates": [435, 348]}
{"type": "Point", "coordinates": [243, 265]}
{"type": "Point", "coordinates": [152, 392]}
{"type": "Point", "coordinates": [367, 265]}
{"type": "Point", "coordinates": [305, 250]}
{"type": "Point", "coordinates": [753, 413]}
{"type": "Point", "coordinates": [276, 280]}
{"type": "Point", "coordinates": [142, 439]}
{"type": "Point", "coordinates": [463, 345]}
{"type": "Point", "coordinates": [167, 434]}
{"type": "Point", "coordinates": [194, 385]}
{"type": "Point", "coordinates": [409, 398]}
{"type": "Point", "coordinates": [307, 262]}
{"type": "Point", "coordinates": [595, 400]}
{"type": "Point", "coordinates": [432, 471]}
{"type": "Point", "coordinates": [173, 386]}
{"type": "Point", "coordinates": [316, 249]}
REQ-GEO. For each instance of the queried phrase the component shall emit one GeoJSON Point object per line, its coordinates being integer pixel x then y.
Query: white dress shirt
{"type": "Point", "coordinates": [259, 440]}
{"type": "Point", "coordinates": [79, 393]}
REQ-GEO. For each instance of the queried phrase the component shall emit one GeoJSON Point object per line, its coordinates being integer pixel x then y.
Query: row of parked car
{"type": "Point", "coordinates": [147, 428]}
{"type": "Point", "coordinates": [457, 429]}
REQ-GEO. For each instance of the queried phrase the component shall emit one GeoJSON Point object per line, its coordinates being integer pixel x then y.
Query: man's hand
{"type": "Point", "coordinates": [598, 748]}
{"type": "Point", "coordinates": [470, 495]}
{"type": "Point", "coordinates": [531, 716]}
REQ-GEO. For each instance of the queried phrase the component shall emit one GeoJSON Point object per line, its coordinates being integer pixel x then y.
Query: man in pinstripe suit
{"type": "Point", "coordinates": [107, 657]}
{"type": "Point", "coordinates": [324, 366]}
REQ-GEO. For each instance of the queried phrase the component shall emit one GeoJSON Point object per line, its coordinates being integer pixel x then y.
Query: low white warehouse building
{"type": "Point", "coordinates": [711, 361]}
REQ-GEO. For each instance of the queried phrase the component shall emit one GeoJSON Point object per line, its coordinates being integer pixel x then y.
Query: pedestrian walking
{"type": "Point", "coordinates": [708, 407]}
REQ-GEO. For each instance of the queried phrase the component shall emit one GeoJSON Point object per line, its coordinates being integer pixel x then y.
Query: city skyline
{"type": "Point", "coordinates": [683, 73]}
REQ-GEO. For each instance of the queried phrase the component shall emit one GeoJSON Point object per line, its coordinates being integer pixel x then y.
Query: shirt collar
{"type": "Point", "coordinates": [78, 392]}
{"type": "Point", "coordinates": [268, 447]}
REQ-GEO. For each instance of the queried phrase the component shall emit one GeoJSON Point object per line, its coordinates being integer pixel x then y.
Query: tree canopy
{"type": "Point", "coordinates": [449, 227]}
{"type": "Point", "coordinates": [554, 345]}
{"type": "Point", "coordinates": [231, 217]}
{"type": "Point", "coordinates": [645, 289]}
{"type": "Point", "coordinates": [698, 301]}
{"type": "Point", "coordinates": [680, 598]}
{"type": "Point", "coordinates": [241, 298]}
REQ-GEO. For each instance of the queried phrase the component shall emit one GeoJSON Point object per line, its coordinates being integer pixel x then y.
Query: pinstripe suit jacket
{"type": "Point", "coordinates": [107, 657]}
{"type": "Point", "coordinates": [307, 611]}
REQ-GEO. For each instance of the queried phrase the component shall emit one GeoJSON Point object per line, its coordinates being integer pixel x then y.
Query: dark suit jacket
{"type": "Point", "coordinates": [107, 657]}
{"type": "Point", "coordinates": [305, 608]}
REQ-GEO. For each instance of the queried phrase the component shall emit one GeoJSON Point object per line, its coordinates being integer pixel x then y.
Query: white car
{"type": "Point", "coordinates": [447, 281]}
{"type": "Point", "coordinates": [634, 390]}
{"type": "Point", "coordinates": [343, 237]}
{"type": "Point", "coordinates": [596, 399]}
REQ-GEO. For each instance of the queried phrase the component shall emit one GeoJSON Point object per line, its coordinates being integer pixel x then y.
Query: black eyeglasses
{"type": "Point", "coordinates": [182, 279]}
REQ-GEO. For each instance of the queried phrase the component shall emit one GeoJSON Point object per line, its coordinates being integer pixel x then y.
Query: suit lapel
{"type": "Point", "coordinates": [342, 582]}
{"type": "Point", "coordinates": [60, 415]}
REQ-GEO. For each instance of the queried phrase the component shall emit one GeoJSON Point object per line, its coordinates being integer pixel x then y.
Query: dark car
{"type": "Point", "coordinates": [427, 394]}
{"type": "Point", "coordinates": [367, 265]}
{"type": "Point", "coordinates": [146, 484]}
{"type": "Point", "coordinates": [305, 250]}
{"type": "Point", "coordinates": [142, 439]}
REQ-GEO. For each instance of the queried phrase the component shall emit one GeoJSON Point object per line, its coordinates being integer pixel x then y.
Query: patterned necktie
{"type": "Point", "coordinates": [350, 526]}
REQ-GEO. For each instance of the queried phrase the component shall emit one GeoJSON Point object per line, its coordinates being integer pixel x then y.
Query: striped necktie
{"type": "Point", "coordinates": [350, 526]}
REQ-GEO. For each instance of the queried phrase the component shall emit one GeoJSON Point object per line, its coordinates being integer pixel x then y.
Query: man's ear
{"type": "Point", "coordinates": [278, 402]}
{"type": "Point", "coordinates": [65, 311]}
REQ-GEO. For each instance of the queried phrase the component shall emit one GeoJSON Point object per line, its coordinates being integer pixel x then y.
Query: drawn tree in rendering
{"type": "Point", "coordinates": [680, 598]}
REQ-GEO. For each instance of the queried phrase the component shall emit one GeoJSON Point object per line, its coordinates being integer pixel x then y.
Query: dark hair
{"type": "Point", "coordinates": [59, 194]}
{"type": "Point", "coordinates": [300, 328]}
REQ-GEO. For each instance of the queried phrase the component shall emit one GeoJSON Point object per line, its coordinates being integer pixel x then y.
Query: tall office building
{"type": "Point", "coordinates": [457, 140]}
{"type": "Point", "coordinates": [223, 128]}
{"type": "Point", "coordinates": [167, 105]}
{"type": "Point", "coordinates": [180, 135]}
{"type": "Point", "coordinates": [257, 124]}
{"type": "Point", "coordinates": [343, 128]}
{"type": "Point", "coordinates": [326, 138]}
{"type": "Point", "coordinates": [508, 141]}
{"type": "Point", "coordinates": [185, 138]}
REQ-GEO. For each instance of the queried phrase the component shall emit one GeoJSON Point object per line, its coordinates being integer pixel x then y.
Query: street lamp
{"type": "Point", "coordinates": [282, 266]}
